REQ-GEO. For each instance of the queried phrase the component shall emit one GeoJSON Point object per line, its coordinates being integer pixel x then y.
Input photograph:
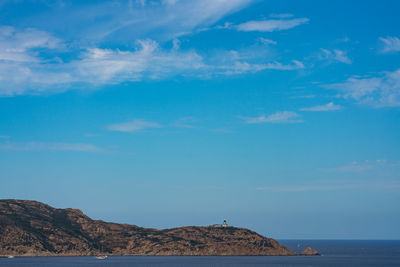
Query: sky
{"type": "Point", "coordinates": [278, 116]}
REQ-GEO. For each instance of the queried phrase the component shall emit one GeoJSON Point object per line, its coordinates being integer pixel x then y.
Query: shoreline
{"type": "Point", "coordinates": [56, 256]}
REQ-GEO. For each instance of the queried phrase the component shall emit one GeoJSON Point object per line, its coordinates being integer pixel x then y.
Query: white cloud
{"type": "Point", "coordinates": [335, 55]}
{"type": "Point", "coordinates": [176, 44]}
{"type": "Point", "coordinates": [279, 66]}
{"type": "Point", "coordinates": [169, 2]}
{"type": "Point", "coordinates": [132, 126]}
{"type": "Point", "coordinates": [390, 44]}
{"type": "Point", "coordinates": [271, 25]}
{"type": "Point", "coordinates": [186, 122]}
{"type": "Point", "coordinates": [96, 66]}
{"type": "Point", "coordinates": [160, 20]}
{"type": "Point", "coordinates": [26, 66]}
{"type": "Point", "coordinates": [227, 25]}
{"type": "Point", "coordinates": [366, 166]}
{"type": "Point", "coordinates": [382, 90]}
{"type": "Point", "coordinates": [267, 41]}
{"type": "Point", "coordinates": [303, 96]}
{"type": "Point", "coordinates": [366, 185]}
{"type": "Point", "coordinates": [148, 61]}
{"type": "Point", "coordinates": [40, 146]}
{"type": "Point", "coordinates": [21, 63]}
{"type": "Point", "coordinates": [240, 67]}
{"type": "Point", "coordinates": [328, 107]}
{"type": "Point", "coordinates": [305, 188]}
{"type": "Point", "coordinates": [17, 78]}
{"type": "Point", "coordinates": [143, 2]}
{"type": "Point", "coordinates": [278, 117]}
{"type": "Point", "coordinates": [18, 46]}
{"type": "Point", "coordinates": [222, 130]}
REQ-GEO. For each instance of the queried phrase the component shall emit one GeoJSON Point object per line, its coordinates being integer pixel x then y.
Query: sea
{"type": "Point", "coordinates": [333, 253]}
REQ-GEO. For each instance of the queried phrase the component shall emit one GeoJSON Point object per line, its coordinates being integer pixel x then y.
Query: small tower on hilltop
{"type": "Point", "coordinates": [224, 224]}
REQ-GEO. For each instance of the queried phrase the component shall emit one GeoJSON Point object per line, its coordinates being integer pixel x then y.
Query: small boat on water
{"type": "Point", "coordinates": [101, 257]}
{"type": "Point", "coordinates": [11, 257]}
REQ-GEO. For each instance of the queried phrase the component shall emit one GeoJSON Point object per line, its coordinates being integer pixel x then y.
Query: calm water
{"type": "Point", "coordinates": [335, 253]}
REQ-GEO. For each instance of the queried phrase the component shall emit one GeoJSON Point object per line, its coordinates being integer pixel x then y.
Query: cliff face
{"type": "Point", "coordinates": [34, 228]}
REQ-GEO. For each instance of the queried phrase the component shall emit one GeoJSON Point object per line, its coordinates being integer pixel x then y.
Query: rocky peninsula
{"type": "Point", "coordinates": [31, 228]}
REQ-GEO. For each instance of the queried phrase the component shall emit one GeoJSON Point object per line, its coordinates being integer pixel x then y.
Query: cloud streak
{"type": "Point", "coordinates": [31, 61]}
{"type": "Point", "coordinates": [324, 186]}
{"type": "Point", "coordinates": [266, 41]}
{"type": "Point", "coordinates": [127, 21]}
{"type": "Point", "coordinates": [133, 126]}
{"type": "Point", "coordinates": [240, 67]}
{"type": "Point", "coordinates": [278, 117]}
{"type": "Point", "coordinates": [41, 146]}
{"type": "Point", "coordinates": [328, 107]}
{"type": "Point", "coordinates": [335, 55]}
{"type": "Point", "coordinates": [18, 46]}
{"type": "Point", "coordinates": [186, 122]}
{"type": "Point", "coordinates": [364, 166]}
{"type": "Point", "coordinates": [28, 73]}
{"type": "Point", "coordinates": [271, 25]}
{"type": "Point", "coordinates": [305, 188]}
{"type": "Point", "coordinates": [390, 44]}
{"type": "Point", "coordinates": [379, 91]}
{"type": "Point", "coordinates": [148, 61]}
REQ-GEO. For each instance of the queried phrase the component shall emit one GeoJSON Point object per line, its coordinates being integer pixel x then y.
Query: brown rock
{"type": "Point", "coordinates": [33, 228]}
{"type": "Point", "coordinates": [310, 252]}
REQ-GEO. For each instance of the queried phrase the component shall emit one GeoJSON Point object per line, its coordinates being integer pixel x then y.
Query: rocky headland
{"type": "Point", "coordinates": [31, 228]}
{"type": "Point", "coordinates": [310, 252]}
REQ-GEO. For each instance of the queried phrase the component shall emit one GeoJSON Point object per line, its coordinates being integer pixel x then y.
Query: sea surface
{"type": "Point", "coordinates": [334, 253]}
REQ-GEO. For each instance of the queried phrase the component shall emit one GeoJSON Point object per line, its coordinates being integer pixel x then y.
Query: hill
{"type": "Point", "coordinates": [29, 228]}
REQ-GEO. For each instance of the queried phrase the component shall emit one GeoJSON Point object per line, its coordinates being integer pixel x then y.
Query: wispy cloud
{"type": "Point", "coordinates": [370, 185]}
{"type": "Point", "coordinates": [295, 65]}
{"type": "Point", "coordinates": [42, 146]}
{"type": "Point", "coordinates": [97, 67]}
{"type": "Point", "coordinates": [328, 107]}
{"type": "Point", "coordinates": [382, 90]}
{"type": "Point", "coordinates": [19, 46]}
{"type": "Point", "coordinates": [130, 20]}
{"type": "Point", "coordinates": [92, 134]}
{"type": "Point", "coordinates": [133, 126]}
{"type": "Point", "coordinates": [148, 61]}
{"type": "Point", "coordinates": [240, 67]}
{"type": "Point", "coordinates": [222, 130]}
{"type": "Point", "coordinates": [29, 73]}
{"type": "Point", "coordinates": [186, 122]}
{"type": "Point", "coordinates": [364, 166]}
{"type": "Point", "coordinates": [271, 25]}
{"type": "Point", "coordinates": [303, 96]}
{"type": "Point", "coordinates": [278, 117]}
{"type": "Point", "coordinates": [31, 63]}
{"type": "Point", "coordinates": [335, 55]}
{"type": "Point", "coordinates": [266, 41]}
{"type": "Point", "coordinates": [390, 44]}
{"type": "Point", "coordinates": [305, 188]}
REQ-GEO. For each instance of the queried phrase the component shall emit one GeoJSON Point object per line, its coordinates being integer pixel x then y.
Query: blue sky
{"type": "Point", "coordinates": [280, 116]}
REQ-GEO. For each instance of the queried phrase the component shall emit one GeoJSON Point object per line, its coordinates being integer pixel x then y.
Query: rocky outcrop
{"type": "Point", "coordinates": [309, 252]}
{"type": "Point", "coordinates": [32, 228]}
